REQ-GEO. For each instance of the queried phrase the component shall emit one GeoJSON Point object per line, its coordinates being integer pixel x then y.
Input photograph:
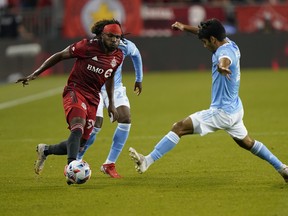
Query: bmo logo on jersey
{"type": "Point", "coordinates": [94, 69]}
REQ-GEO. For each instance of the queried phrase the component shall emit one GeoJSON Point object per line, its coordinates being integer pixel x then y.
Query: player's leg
{"type": "Point", "coordinates": [241, 137]}
{"type": "Point", "coordinates": [259, 149]}
{"type": "Point", "coordinates": [121, 132]}
{"type": "Point", "coordinates": [75, 116]}
{"type": "Point", "coordinates": [74, 142]}
{"type": "Point", "coordinates": [76, 125]}
{"type": "Point", "coordinates": [119, 139]}
{"type": "Point", "coordinates": [166, 144]}
{"type": "Point", "coordinates": [201, 122]}
{"type": "Point", "coordinates": [68, 147]}
{"type": "Point", "coordinates": [43, 150]}
{"type": "Point", "coordinates": [80, 119]}
{"type": "Point", "coordinates": [96, 129]}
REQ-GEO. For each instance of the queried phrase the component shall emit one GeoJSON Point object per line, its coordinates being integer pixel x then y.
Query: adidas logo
{"type": "Point", "coordinates": [95, 58]}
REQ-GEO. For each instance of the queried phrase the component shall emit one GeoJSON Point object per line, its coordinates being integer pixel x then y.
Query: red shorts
{"type": "Point", "coordinates": [75, 105]}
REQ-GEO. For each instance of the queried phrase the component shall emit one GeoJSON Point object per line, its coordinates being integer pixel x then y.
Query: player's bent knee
{"type": "Point", "coordinates": [77, 121]}
{"type": "Point", "coordinates": [177, 127]}
{"type": "Point", "coordinates": [245, 143]}
{"type": "Point", "coordinates": [124, 119]}
{"type": "Point", "coordinates": [183, 127]}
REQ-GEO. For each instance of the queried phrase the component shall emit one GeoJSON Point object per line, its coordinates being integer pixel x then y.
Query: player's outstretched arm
{"type": "Point", "coordinates": [51, 61]}
{"type": "Point", "coordinates": [183, 27]}
{"type": "Point", "coordinates": [138, 67]}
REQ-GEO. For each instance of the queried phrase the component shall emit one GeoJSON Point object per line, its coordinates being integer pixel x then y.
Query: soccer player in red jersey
{"type": "Point", "coordinates": [97, 60]}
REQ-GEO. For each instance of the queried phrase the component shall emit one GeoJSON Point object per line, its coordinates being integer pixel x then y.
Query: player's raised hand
{"type": "Point", "coordinates": [177, 26]}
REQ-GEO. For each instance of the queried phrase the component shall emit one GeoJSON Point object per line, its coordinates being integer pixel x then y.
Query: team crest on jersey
{"type": "Point", "coordinates": [84, 106]}
{"type": "Point", "coordinates": [113, 62]}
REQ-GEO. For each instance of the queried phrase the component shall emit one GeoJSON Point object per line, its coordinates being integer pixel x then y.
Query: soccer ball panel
{"type": "Point", "coordinates": [77, 172]}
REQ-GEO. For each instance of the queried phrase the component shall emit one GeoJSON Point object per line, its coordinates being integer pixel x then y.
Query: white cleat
{"type": "Point", "coordinates": [39, 163]}
{"type": "Point", "coordinates": [284, 172]}
{"type": "Point", "coordinates": [139, 160]}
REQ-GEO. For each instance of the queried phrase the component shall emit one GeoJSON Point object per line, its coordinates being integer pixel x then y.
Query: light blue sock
{"type": "Point", "coordinates": [166, 144]}
{"type": "Point", "coordinates": [262, 151]}
{"type": "Point", "coordinates": [89, 142]}
{"type": "Point", "coordinates": [119, 139]}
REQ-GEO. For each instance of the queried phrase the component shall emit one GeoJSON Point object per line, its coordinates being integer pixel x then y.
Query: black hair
{"type": "Point", "coordinates": [98, 27]}
{"type": "Point", "coordinates": [211, 27]}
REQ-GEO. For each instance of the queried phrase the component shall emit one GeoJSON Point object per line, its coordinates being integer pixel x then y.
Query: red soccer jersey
{"type": "Point", "coordinates": [92, 68]}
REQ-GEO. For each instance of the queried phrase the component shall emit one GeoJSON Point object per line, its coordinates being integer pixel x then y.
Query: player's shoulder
{"type": "Point", "coordinates": [232, 43]}
{"type": "Point", "coordinates": [86, 42]}
{"type": "Point", "coordinates": [234, 48]}
{"type": "Point", "coordinates": [127, 44]}
{"type": "Point", "coordinates": [229, 46]}
{"type": "Point", "coordinates": [92, 41]}
{"type": "Point", "coordinates": [93, 45]}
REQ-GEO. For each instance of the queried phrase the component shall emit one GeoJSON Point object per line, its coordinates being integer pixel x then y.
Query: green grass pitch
{"type": "Point", "coordinates": [201, 176]}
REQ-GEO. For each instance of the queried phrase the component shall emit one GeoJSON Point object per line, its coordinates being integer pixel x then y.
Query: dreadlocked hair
{"type": "Point", "coordinates": [98, 27]}
{"type": "Point", "coordinates": [211, 27]}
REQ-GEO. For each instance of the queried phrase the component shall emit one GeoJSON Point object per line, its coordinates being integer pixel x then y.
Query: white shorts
{"type": "Point", "coordinates": [211, 120]}
{"type": "Point", "coordinates": [120, 99]}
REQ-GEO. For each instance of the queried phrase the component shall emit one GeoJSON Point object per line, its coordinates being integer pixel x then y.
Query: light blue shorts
{"type": "Point", "coordinates": [211, 120]}
{"type": "Point", "coordinates": [120, 99]}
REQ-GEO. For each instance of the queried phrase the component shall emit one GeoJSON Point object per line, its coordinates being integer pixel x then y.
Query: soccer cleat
{"type": "Point", "coordinates": [65, 173]}
{"type": "Point", "coordinates": [284, 172]}
{"type": "Point", "coordinates": [139, 160]}
{"type": "Point", "coordinates": [39, 163]}
{"type": "Point", "coordinates": [110, 169]}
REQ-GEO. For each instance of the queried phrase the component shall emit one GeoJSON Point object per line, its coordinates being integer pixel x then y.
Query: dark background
{"type": "Point", "coordinates": [183, 52]}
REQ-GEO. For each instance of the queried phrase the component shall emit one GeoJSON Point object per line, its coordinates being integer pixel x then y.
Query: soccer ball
{"type": "Point", "coordinates": [77, 172]}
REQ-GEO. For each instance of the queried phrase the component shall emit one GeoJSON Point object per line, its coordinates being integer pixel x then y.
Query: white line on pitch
{"type": "Point", "coordinates": [30, 98]}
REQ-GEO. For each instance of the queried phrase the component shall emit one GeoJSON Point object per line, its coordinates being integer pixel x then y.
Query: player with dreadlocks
{"type": "Point", "coordinates": [97, 60]}
{"type": "Point", "coordinates": [122, 105]}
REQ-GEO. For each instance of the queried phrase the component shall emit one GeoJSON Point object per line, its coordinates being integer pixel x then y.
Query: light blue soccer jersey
{"type": "Point", "coordinates": [225, 92]}
{"type": "Point", "coordinates": [129, 49]}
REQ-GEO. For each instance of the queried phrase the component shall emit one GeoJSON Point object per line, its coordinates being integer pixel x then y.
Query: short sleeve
{"type": "Point", "coordinates": [79, 49]}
